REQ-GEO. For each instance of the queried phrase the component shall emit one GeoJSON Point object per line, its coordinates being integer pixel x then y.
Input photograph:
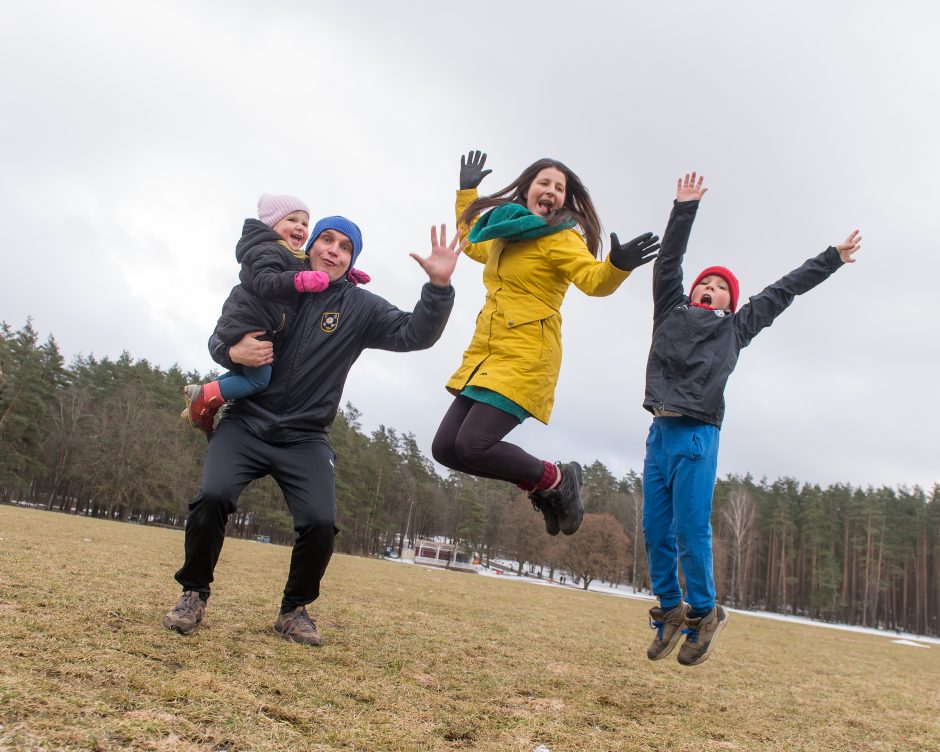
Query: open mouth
{"type": "Point", "coordinates": [546, 206]}
{"type": "Point", "coordinates": [707, 299]}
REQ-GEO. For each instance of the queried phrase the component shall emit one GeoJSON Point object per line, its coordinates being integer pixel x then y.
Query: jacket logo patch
{"type": "Point", "coordinates": [329, 322]}
{"type": "Point", "coordinates": [719, 313]}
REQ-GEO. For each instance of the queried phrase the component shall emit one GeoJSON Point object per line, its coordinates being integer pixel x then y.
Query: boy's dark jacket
{"type": "Point", "coordinates": [266, 298]}
{"type": "Point", "coordinates": [328, 333]}
{"type": "Point", "coordinates": [694, 350]}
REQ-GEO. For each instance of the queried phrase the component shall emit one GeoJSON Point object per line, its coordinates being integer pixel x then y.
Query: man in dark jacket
{"type": "Point", "coordinates": [283, 431]}
{"type": "Point", "coordinates": [696, 342]}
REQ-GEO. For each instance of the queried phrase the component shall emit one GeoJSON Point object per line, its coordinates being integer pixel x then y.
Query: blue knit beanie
{"type": "Point", "coordinates": [343, 225]}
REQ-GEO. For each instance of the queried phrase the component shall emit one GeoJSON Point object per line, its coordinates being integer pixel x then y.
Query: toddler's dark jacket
{"type": "Point", "coordinates": [266, 298]}
{"type": "Point", "coordinates": [694, 350]}
{"type": "Point", "coordinates": [328, 333]}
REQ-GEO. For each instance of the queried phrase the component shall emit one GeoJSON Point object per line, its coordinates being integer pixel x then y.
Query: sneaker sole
{"type": "Point", "coordinates": [179, 629]}
{"type": "Point", "coordinates": [189, 394]}
{"type": "Point", "coordinates": [711, 645]}
{"type": "Point", "coordinates": [291, 638]}
{"type": "Point", "coordinates": [580, 474]}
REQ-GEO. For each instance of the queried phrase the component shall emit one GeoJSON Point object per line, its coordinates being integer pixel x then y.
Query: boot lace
{"type": "Point", "coordinates": [300, 621]}
{"type": "Point", "coordinates": [187, 603]}
{"type": "Point", "coordinates": [658, 626]}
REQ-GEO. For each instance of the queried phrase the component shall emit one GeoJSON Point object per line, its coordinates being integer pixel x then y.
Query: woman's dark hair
{"type": "Point", "coordinates": [578, 205]}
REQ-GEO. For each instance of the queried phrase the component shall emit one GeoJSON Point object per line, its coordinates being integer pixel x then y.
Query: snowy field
{"type": "Point", "coordinates": [507, 570]}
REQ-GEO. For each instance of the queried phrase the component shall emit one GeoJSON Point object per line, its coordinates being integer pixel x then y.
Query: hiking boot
{"type": "Point", "coordinates": [544, 505]}
{"type": "Point", "coordinates": [566, 498]}
{"type": "Point", "coordinates": [700, 636]}
{"type": "Point", "coordinates": [668, 626]}
{"type": "Point", "coordinates": [186, 614]}
{"type": "Point", "coordinates": [297, 626]}
{"type": "Point", "coordinates": [202, 403]}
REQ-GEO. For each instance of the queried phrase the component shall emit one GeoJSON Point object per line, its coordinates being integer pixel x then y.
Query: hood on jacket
{"type": "Point", "coordinates": [254, 232]}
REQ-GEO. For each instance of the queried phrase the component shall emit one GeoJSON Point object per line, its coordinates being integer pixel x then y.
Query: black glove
{"type": "Point", "coordinates": [471, 170]}
{"type": "Point", "coordinates": [641, 250]}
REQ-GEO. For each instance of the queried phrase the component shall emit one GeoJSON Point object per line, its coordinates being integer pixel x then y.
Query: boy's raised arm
{"type": "Point", "coordinates": [667, 272]}
{"type": "Point", "coordinates": [763, 308]}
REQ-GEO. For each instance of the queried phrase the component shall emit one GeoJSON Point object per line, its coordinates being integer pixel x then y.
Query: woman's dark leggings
{"type": "Point", "coordinates": [469, 440]}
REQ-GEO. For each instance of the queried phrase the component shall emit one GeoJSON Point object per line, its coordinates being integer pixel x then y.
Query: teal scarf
{"type": "Point", "coordinates": [514, 222]}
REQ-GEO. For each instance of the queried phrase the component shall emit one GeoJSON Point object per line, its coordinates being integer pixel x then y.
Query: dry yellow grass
{"type": "Point", "coordinates": [415, 659]}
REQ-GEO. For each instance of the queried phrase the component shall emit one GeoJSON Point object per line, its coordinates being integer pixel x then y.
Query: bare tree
{"type": "Point", "coordinates": [739, 514]}
{"type": "Point", "coordinates": [598, 551]}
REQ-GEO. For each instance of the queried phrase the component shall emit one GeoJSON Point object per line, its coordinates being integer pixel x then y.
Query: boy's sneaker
{"type": "Point", "coordinates": [700, 636]}
{"type": "Point", "coordinates": [566, 497]}
{"type": "Point", "coordinates": [668, 626]}
{"type": "Point", "coordinates": [297, 626]}
{"type": "Point", "coordinates": [544, 505]}
{"type": "Point", "coordinates": [186, 614]}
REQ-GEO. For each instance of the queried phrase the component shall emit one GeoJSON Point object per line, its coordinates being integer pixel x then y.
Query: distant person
{"type": "Point", "coordinates": [696, 341]}
{"type": "Point", "coordinates": [283, 430]}
{"type": "Point", "coordinates": [531, 253]}
{"type": "Point", "coordinates": [275, 272]}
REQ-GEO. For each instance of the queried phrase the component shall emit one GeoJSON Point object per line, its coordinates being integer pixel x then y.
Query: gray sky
{"type": "Point", "coordinates": [137, 136]}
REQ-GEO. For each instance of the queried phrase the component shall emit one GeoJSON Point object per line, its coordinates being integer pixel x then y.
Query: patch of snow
{"type": "Point", "coordinates": [507, 570]}
{"type": "Point", "coordinates": [627, 591]}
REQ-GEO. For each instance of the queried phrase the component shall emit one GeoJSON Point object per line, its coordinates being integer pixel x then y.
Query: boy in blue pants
{"type": "Point", "coordinates": [696, 341]}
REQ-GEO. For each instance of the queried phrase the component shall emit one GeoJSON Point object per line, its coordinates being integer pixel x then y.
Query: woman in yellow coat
{"type": "Point", "coordinates": [531, 254]}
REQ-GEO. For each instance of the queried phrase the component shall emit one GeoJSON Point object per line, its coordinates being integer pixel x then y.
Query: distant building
{"type": "Point", "coordinates": [446, 555]}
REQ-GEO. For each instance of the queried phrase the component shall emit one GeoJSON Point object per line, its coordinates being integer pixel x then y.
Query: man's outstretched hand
{"type": "Point", "coordinates": [440, 264]}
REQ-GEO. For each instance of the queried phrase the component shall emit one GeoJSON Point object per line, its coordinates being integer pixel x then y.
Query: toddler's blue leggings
{"type": "Point", "coordinates": [250, 381]}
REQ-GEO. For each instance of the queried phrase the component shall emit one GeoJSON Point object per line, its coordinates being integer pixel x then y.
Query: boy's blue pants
{"type": "Point", "coordinates": [678, 483]}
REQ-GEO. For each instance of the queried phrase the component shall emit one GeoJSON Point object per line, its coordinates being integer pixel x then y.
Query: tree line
{"type": "Point", "coordinates": [103, 438]}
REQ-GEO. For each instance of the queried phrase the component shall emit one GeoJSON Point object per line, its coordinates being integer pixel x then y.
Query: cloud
{"type": "Point", "coordinates": [138, 138]}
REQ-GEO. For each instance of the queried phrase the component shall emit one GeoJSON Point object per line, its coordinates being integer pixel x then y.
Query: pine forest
{"type": "Point", "coordinates": [103, 438]}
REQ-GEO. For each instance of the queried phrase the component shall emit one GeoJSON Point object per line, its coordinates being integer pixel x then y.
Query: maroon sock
{"type": "Point", "coordinates": [550, 473]}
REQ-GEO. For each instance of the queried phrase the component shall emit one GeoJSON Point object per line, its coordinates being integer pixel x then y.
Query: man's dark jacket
{"type": "Point", "coordinates": [328, 333]}
{"type": "Point", "coordinates": [266, 298]}
{"type": "Point", "coordinates": [694, 349]}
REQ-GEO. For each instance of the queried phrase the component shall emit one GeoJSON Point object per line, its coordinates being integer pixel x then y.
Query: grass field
{"type": "Point", "coordinates": [414, 659]}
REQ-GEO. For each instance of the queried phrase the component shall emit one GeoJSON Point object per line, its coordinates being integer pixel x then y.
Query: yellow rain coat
{"type": "Point", "coordinates": [516, 348]}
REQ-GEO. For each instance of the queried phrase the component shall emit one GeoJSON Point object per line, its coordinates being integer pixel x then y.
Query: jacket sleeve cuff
{"type": "Point", "coordinates": [437, 291]}
{"type": "Point", "coordinates": [612, 260]}
{"type": "Point", "coordinates": [218, 351]}
{"type": "Point", "coordinates": [832, 258]}
{"type": "Point", "coordinates": [685, 207]}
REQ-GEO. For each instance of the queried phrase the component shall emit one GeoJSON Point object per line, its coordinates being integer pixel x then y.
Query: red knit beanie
{"type": "Point", "coordinates": [727, 276]}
